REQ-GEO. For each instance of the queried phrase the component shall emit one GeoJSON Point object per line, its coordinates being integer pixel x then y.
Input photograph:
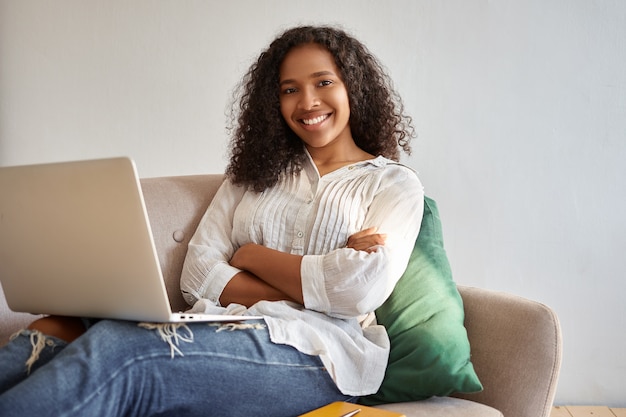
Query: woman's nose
{"type": "Point", "coordinates": [309, 99]}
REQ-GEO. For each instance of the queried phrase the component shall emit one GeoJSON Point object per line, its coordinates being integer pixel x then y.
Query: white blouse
{"type": "Point", "coordinates": [313, 216]}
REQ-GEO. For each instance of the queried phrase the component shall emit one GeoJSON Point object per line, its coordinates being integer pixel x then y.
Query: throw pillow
{"type": "Point", "coordinates": [430, 351]}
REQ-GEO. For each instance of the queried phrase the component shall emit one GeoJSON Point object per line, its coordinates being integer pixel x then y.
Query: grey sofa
{"type": "Point", "coordinates": [516, 343]}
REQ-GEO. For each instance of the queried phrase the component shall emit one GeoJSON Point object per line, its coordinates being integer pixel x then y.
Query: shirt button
{"type": "Point", "coordinates": [299, 234]}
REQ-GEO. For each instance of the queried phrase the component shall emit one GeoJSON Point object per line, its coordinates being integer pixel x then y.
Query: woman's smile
{"type": "Point", "coordinates": [316, 120]}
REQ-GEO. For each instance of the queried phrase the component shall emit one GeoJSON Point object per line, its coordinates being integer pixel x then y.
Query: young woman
{"type": "Point", "coordinates": [311, 229]}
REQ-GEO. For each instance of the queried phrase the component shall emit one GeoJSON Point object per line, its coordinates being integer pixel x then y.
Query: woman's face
{"type": "Point", "coordinates": [313, 98]}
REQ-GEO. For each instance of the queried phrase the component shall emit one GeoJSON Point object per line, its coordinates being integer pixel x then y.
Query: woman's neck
{"type": "Point", "coordinates": [329, 160]}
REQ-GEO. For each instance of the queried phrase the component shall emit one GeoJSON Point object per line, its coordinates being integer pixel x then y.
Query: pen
{"type": "Point", "coordinates": [352, 413]}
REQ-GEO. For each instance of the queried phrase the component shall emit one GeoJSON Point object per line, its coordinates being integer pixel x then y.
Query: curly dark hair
{"type": "Point", "coordinates": [263, 147]}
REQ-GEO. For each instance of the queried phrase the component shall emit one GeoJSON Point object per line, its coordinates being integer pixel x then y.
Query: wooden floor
{"type": "Point", "coordinates": [587, 411]}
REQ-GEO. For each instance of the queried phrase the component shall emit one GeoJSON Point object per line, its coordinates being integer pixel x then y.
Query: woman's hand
{"type": "Point", "coordinates": [366, 240]}
{"type": "Point", "coordinates": [238, 259]}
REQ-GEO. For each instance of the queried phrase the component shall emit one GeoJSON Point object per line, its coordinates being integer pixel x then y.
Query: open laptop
{"type": "Point", "coordinates": [75, 240]}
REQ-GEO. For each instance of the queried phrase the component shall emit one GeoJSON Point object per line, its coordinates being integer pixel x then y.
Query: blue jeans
{"type": "Point", "coordinates": [120, 369]}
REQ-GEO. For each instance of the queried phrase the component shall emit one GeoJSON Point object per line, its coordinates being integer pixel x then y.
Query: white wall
{"type": "Point", "coordinates": [520, 107]}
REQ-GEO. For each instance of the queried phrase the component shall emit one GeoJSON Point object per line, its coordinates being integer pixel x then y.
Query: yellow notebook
{"type": "Point", "coordinates": [340, 409]}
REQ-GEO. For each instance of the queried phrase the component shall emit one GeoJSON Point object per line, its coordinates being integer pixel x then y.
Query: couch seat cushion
{"type": "Point", "coordinates": [442, 407]}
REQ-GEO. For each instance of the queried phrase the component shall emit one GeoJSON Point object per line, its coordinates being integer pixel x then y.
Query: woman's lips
{"type": "Point", "coordinates": [315, 120]}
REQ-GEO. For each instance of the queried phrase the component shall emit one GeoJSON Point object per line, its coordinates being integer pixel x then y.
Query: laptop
{"type": "Point", "coordinates": [75, 240]}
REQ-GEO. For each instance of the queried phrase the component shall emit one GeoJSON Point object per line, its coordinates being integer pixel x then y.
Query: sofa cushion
{"type": "Point", "coordinates": [430, 351]}
{"type": "Point", "coordinates": [442, 407]}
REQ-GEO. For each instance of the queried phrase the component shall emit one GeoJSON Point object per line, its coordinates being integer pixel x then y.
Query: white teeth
{"type": "Point", "coordinates": [315, 121]}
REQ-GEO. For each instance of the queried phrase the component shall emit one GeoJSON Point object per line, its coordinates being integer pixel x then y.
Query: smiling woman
{"type": "Point", "coordinates": [314, 102]}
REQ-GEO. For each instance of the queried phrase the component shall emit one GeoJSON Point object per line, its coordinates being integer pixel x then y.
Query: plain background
{"type": "Point", "coordinates": [520, 107]}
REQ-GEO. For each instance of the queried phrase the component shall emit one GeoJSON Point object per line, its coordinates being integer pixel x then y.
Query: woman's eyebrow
{"type": "Point", "coordinates": [314, 75]}
{"type": "Point", "coordinates": [321, 74]}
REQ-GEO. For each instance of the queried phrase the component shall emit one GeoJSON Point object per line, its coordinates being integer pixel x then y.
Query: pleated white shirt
{"type": "Point", "coordinates": [313, 216]}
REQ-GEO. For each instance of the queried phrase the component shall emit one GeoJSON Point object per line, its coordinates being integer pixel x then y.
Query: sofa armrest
{"type": "Point", "coordinates": [516, 351]}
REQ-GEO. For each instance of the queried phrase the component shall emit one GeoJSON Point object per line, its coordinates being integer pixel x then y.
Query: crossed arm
{"type": "Point", "coordinates": [271, 275]}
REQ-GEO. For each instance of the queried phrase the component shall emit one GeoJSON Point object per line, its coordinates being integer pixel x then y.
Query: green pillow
{"type": "Point", "coordinates": [430, 351]}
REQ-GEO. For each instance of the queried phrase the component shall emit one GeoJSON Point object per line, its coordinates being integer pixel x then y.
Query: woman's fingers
{"type": "Point", "coordinates": [366, 240]}
{"type": "Point", "coordinates": [366, 232]}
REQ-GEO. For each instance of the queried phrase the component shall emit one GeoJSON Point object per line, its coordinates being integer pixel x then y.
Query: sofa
{"type": "Point", "coordinates": [515, 342]}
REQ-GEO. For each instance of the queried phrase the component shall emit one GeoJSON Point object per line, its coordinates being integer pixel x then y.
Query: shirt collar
{"type": "Point", "coordinates": [311, 169]}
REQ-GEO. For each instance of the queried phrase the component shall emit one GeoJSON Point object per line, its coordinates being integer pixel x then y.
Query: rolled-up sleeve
{"type": "Point", "coordinates": [206, 269]}
{"type": "Point", "coordinates": [348, 283]}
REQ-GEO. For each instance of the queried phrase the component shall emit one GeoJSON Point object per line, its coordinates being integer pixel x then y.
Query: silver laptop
{"type": "Point", "coordinates": [75, 240]}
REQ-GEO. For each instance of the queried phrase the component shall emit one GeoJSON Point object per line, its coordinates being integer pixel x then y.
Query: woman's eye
{"type": "Point", "coordinates": [289, 90]}
{"type": "Point", "coordinates": [325, 83]}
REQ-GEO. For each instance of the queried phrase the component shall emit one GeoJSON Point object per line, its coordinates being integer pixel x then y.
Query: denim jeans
{"type": "Point", "coordinates": [118, 368]}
